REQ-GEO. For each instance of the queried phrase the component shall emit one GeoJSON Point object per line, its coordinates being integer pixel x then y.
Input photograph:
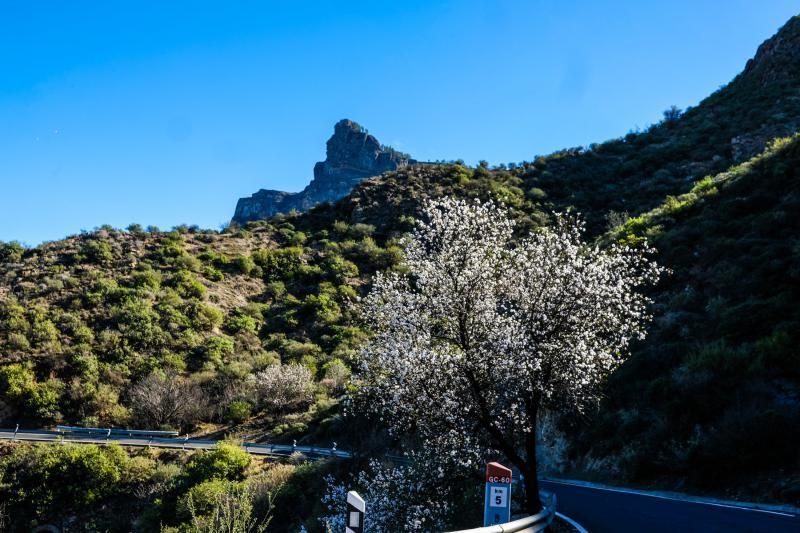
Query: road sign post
{"type": "Point", "coordinates": [497, 508]}
{"type": "Point", "coordinates": [356, 508]}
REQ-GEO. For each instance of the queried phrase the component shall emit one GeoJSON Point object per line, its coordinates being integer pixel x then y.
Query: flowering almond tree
{"type": "Point", "coordinates": [484, 331]}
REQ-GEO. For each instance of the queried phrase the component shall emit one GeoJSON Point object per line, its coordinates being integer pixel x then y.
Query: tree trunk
{"type": "Point", "coordinates": [533, 504]}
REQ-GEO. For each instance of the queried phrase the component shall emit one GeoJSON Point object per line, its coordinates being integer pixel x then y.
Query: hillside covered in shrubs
{"type": "Point", "coordinates": [259, 325]}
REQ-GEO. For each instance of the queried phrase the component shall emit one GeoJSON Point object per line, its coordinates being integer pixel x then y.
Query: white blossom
{"type": "Point", "coordinates": [397, 498]}
{"type": "Point", "coordinates": [283, 386]}
{"type": "Point", "coordinates": [487, 329]}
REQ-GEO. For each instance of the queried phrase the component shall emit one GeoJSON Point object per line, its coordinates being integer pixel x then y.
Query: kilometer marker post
{"type": "Point", "coordinates": [497, 508]}
{"type": "Point", "coordinates": [356, 509]}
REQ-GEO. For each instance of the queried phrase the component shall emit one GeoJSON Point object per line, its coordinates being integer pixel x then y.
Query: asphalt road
{"type": "Point", "coordinates": [179, 443]}
{"type": "Point", "coordinates": [602, 510]}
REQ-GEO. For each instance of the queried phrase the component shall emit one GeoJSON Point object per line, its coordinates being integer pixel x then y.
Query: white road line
{"type": "Point", "coordinates": [663, 497]}
{"type": "Point", "coordinates": [572, 522]}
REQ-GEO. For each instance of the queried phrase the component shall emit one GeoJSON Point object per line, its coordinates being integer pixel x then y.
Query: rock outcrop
{"type": "Point", "coordinates": [352, 156]}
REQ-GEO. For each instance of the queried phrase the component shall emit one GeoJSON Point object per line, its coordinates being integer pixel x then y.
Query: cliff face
{"type": "Point", "coordinates": [352, 155]}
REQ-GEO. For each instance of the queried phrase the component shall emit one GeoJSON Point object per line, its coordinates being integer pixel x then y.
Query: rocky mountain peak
{"type": "Point", "coordinates": [352, 155]}
{"type": "Point", "coordinates": [777, 58]}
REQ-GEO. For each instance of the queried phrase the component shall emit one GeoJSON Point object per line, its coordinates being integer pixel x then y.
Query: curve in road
{"type": "Point", "coordinates": [607, 509]}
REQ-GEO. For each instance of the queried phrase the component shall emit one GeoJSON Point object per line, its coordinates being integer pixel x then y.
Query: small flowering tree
{"type": "Point", "coordinates": [485, 331]}
{"type": "Point", "coordinates": [283, 386]}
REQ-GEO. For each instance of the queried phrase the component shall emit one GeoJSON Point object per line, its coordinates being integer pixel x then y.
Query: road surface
{"type": "Point", "coordinates": [608, 509]}
{"type": "Point", "coordinates": [186, 444]}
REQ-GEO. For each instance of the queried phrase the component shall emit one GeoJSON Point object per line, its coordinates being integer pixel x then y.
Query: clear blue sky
{"type": "Point", "coordinates": [167, 112]}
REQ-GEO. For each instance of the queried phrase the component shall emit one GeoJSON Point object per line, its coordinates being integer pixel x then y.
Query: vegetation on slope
{"type": "Point", "coordinates": [717, 383]}
{"type": "Point", "coordinates": [92, 324]}
{"type": "Point", "coordinates": [633, 174]}
{"type": "Point", "coordinates": [105, 488]}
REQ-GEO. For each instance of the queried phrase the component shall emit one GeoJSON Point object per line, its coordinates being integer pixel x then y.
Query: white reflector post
{"type": "Point", "coordinates": [356, 508]}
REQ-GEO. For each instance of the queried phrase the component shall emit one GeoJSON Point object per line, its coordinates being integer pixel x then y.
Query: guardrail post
{"type": "Point", "coordinates": [15, 432]}
{"type": "Point", "coordinates": [356, 509]}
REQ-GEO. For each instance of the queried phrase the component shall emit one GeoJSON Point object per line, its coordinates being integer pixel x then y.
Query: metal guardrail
{"type": "Point", "coordinates": [146, 438]}
{"type": "Point", "coordinates": [118, 431]}
{"type": "Point", "coordinates": [530, 524]}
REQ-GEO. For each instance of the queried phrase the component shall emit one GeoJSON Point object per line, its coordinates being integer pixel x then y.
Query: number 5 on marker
{"type": "Point", "coordinates": [499, 495]}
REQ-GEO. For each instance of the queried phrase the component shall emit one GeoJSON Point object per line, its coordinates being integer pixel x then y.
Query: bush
{"type": "Point", "coordinates": [238, 411]}
{"type": "Point", "coordinates": [218, 349]}
{"type": "Point", "coordinates": [213, 274]}
{"type": "Point", "coordinates": [11, 252]}
{"type": "Point", "coordinates": [138, 323]}
{"type": "Point", "coordinates": [48, 482]}
{"type": "Point", "coordinates": [241, 322]}
{"type": "Point", "coordinates": [280, 264]}
{"type": "Point", "coordinates": [203, 317]}
{"type": "Point", "coordinates": [97, 251]}
{"type": "Point", "coordinates": [146, 279]}
{"type": "Point", "coordinates": [187, 285]}
{"type": "Point", "coordinates": [12, 317]}
{"type": "Point", "coordinates": [38, 400]}
{"type": "Point", "coordinates": [225, 461]}
{"type": "Point", "coordinates": [223, 506]}
{"type": "Point", "coordinates": [43, 332]}
{"type": "Point", "coordinates": [337, 374]}
{"type": "Point", "coordinates": [202, 497]}
{"type": "Point", "coordinates": [284, 386]}
{"type": "Point", "coordinates": [167, 400]}
{"type": "Point", "coordinates": [244, 264]}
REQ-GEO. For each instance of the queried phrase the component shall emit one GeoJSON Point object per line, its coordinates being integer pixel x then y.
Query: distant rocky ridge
{"type": "Point", "coordinates": [352, 156]}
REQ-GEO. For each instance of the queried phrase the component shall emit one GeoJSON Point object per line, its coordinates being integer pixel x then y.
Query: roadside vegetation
{"type": "Point", "coordinates": [256, 331]}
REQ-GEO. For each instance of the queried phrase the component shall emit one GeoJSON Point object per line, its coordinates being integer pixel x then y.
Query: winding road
{"type": "Point", "coordinates": [602, 509]}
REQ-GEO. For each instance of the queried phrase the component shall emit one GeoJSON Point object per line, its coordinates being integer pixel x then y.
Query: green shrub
{"type": "Point", "coordinates": [187, 285]}
{"type": "Point", "coordinates": [244, 264]}
{"type": "Point", "coordinates": [18, 341]}
{"type": "Point", "coordinates": [202, 497]}
{"type": "Point", "coordinates": [218, 349]}
{"type": "Point", "coordinates": [241, 322]}
{"type": "Point", "coordinates": [225, 461]}
{"type": "Point", "coordinates": [97, 251]}
{"type": "Point", "coordinates": [12, 317]}
{"type": "Point", "coordinates": [279, 264]}
{"type": "Point", "coordinates": [138, 323]}
{"type": "Point", "coordinates": [11, 252]}
{"type": "Point", "coordinates": [43, 332]}
{"type": "Point", "coordinates": [238, 411]}
{"type": "Point", "coordinates": [37, 400]}
{"type": "Point", "coordinates": [47, 482]}
{"type": "Point", "coordinates": [202, 316]}
{"type": "Point", "coordinates": [337, 374]}
{"type": "Point", "coordinates": [340, 268]}
{"type": "Point", "coordinates": [147, 279]}
{"type": "Point", "coordinates": [213, 274]}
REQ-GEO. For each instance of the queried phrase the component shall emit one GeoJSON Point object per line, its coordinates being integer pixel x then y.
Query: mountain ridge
{"type": "Point", "coordinates": [352, 155]}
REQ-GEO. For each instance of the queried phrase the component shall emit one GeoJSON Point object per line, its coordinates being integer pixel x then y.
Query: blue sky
{"type": "Point", "coordinates": [166, 112]}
